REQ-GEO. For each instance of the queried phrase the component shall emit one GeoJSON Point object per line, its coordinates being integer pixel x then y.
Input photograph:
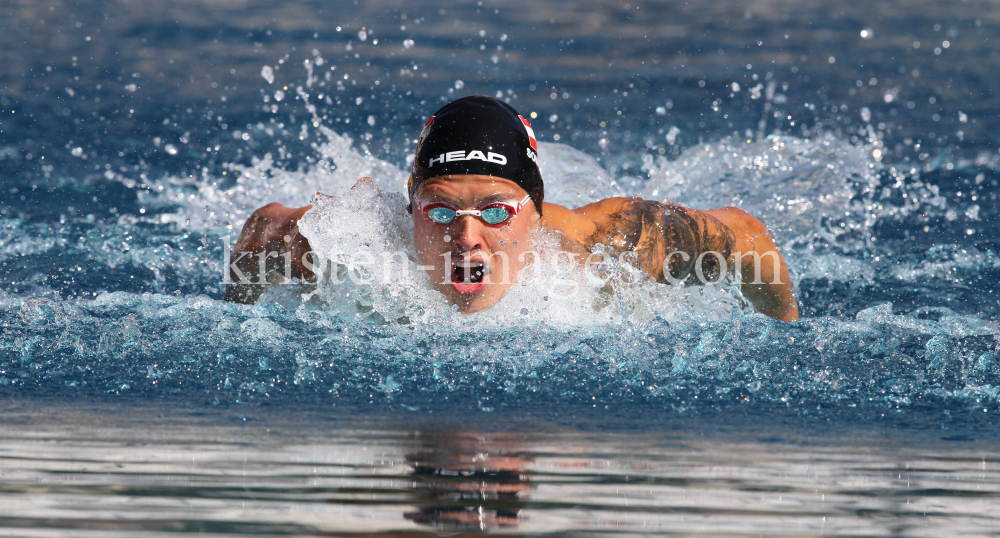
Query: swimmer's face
{"type": "Point", "coordinates": [471, 263]}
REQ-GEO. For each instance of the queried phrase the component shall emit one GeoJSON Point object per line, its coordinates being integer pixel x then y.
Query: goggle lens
{"type": "Point", "coordinates": [494, 215]}
{"type": "Point", "coordinates": [442, 215]}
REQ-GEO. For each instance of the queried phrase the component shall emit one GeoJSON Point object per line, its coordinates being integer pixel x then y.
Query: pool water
{"type": "Point", "coordinates": [136, 139]}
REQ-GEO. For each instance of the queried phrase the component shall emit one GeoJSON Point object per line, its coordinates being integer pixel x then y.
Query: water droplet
{"type": "Point", "coordinates": [672, 135]}
{"type": "Point", "coordinates": [171, 149]}
{"type": "Point", "coordinates": [459, 84]}
{"type": "Point", "coordinates": [267, 73]}
{"type": "Point", "coordinates": [362, 35]}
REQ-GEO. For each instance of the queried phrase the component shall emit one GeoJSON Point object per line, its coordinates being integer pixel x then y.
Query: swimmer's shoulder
{"type": "Point", "coordinates": [583, 223]}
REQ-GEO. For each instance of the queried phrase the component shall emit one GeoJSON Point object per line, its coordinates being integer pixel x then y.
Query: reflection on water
{"type": "Point", "coordinates": [170, 469]}
{"type": "Point", "coordinates": [465, 480]}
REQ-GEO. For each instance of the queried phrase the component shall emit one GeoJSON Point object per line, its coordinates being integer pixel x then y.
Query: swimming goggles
{"type": "Point", "coordinates": [493, 215]}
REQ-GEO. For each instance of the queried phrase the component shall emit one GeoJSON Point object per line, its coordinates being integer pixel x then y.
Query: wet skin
{"type": "Point", "coordinates": [500, 250]}
{"type": "Point", "coordinates": [649, 230]}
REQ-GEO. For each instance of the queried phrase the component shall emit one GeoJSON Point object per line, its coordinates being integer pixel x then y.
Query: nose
{"type": "Point", "coordinates": [468, 234]}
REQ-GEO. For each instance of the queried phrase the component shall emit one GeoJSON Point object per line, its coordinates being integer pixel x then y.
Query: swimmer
{"type": "Point", "coordinates": [476, 195]}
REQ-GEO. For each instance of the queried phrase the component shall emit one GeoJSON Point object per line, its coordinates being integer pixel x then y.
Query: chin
{"type": "Point", "coordinates": [476, 303]}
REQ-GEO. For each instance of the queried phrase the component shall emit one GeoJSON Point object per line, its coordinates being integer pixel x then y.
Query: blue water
{"type": "Point", "coordinates": [135, 139]}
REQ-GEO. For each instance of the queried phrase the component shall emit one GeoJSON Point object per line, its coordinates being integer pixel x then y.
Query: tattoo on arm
{"type": "Point", "coordinates": [694, 233]}
{"type": "Point", "coordinates": [654, 230]}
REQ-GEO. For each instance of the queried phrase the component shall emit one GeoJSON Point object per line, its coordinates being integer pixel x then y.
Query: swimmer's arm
{"type": "Point", "coordinates": [653, 231]}
{"type": "Point", "coordinates": [738, 238]}
{"type": "Point", "coordinates": [650, 232]}
{"type": "Point", "coordinates": [774, 297]}
{"type": "Point", "coordinates": [263, 236]}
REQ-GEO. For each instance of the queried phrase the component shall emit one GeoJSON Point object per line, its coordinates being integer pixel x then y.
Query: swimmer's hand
{"type": "Point", "coordinates": [270, 250]}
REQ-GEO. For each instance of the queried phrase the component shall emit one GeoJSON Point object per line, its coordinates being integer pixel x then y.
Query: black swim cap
{"type": "Point", "coordinates": [478, 135]}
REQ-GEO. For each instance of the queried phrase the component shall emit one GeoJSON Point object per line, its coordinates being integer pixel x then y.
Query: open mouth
{"type": "Point", "coordinates": [467, 276]}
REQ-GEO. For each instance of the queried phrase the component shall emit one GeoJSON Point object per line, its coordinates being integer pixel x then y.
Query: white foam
{"type": "Point", "coordinates": [573, 178]}
{"type": "Point", "coordinates": [789, 183]}
{"type": "Point", "coordinates": [805, 190]}
{"type": "Point", "coordinates": [206, 205]}
{"type": "Point", "coordinates": [949, 323]}
{"type": "Point", "coordinates": [368, 220]}
{"type": "Point", "coordinates": [948, 263]}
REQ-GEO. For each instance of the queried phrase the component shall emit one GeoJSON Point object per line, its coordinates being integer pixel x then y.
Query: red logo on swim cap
{"type": "Point", "coordinates": [423, 134]}
{"type": "Point", "coordinates": [531, 133]}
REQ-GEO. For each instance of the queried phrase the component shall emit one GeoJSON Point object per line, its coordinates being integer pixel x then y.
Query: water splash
{"type": "Point", "coordinates": [792, 184]}
{"type": "Point", "coordinates": [827, 201]}
{"type": "Point", "coordinates": [126, 343]}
